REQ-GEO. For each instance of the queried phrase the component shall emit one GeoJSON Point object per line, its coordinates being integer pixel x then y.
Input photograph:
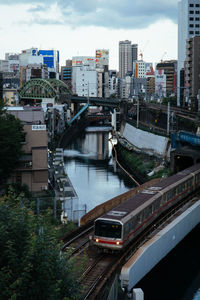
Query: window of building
{"type": "Point", "coordinates": [191, 5]}
{"type": "Point", "coordinates": [191, 32]}
{"type": "Point", "coordinates": [197, 5]}
{"type": "Point", "coordinates": [191, 12]}
{"type": "Point", "coordinates": [191, 19]}
{"type": "Point", "coordinates": [196, 32]}
{"type": "Point", "coordinates": [197, 25]}
{"type": "Point", "coordinates": [191, 25]}
{"type": "Point", "coordinates": [197, 19]}
{"type": "Point", "coordinates": [197, 12]}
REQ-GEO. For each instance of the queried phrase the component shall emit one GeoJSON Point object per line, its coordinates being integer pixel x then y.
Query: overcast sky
{"type": "Point", "coordinates": [79, 27]}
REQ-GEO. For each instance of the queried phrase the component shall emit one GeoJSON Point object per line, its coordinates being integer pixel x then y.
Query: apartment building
{"type": "Point", "coordinates": [32, 169]}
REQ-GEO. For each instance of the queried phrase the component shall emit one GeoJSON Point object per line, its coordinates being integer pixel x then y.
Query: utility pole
{"type": "Point", "coordinates": [137, 112]}
{"type": "Point", "coordinates": [168, 117]}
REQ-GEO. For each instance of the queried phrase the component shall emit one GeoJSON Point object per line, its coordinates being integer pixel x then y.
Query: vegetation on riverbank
{"type": "Point", "coordinates": [141, 164]}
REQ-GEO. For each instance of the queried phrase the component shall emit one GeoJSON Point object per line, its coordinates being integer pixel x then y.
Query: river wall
{"type": "Point", "coordinates": [145, 141]}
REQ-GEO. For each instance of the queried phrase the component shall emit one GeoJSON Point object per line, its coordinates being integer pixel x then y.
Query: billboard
{"type": "Point", "coordinates": [160, 83]}
{"type": "Point", "coordinates": [83, 61]}
{"type": "Point", "coordinates": [102, 57]}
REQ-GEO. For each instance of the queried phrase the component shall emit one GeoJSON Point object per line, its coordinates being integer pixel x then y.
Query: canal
{"type": "Point", "coordinates": [92, 170]}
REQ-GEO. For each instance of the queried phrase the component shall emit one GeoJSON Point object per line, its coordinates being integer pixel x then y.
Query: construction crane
{"type": "Point", "coordinates": [163, 56]}
{"type": "Point", "coordinates": [142, 51]}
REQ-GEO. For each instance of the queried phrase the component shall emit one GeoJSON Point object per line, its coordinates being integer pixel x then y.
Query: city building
{"type": "Point", "coordinates": [139, 69]}
{"type": "Point", "coordinates": [51, 59]}
{"type": "Point", "coordinates": [134, 48]}
{"type": "Point", "coordinates": [160, 84]}
{"type": "Point", "coordinates": [84, 76]}
{"type": "Point", "coordinates": [66, 73]}
{"type": "Point", "coordinates": [125, 58]}
{"type": "Point", "coordinates": [170, 70]}
{"type": "Point", "coordinates": [192, 73]}
{"type": "Point", "coordinates": [10, 96]}
{"type": "Point", "coordinates": [102, 59]}
{"type": "Point", "coordinates": [102, 66]}
{"type": "Point", "coordinates": [3, 65]}
{"type": "Point", "coordinates": [32, 169]}
{"type": "Point", "coordinates": [112, 82]}
{"type": "Point", "coordinates": [1, 86]}
{"type": "Point", "coordinates": [33, 71]}
{"type": "Point", "coordinates": [150, 89]}
{"type": "Point", "coordinates": [188, 26]}
{"type": "Point", "coordinates": [13, 62]}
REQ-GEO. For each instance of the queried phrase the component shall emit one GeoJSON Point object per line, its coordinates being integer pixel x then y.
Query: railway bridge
{"type": "Point", "coordinates": [36, 90]}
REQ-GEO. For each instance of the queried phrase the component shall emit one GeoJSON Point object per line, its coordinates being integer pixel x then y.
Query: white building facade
{"type": "Point", "coordinates": [188, 26]}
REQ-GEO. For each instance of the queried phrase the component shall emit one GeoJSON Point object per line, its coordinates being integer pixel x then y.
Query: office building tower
{"type": "Point", "coordinates": [188, 26]}
{"type": "Point", "coordinates": [125, 58]}
{"type": "Point", "coordinates": [134, 52]}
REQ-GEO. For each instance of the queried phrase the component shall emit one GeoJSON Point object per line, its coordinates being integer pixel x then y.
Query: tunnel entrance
{"type": "Point", "coordinates": [182, 162]}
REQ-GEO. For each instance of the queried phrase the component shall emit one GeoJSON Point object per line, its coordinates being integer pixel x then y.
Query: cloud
{"type": "Point", "coordinates": [113, 14]}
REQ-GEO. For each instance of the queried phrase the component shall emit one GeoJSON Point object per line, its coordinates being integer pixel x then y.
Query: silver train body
{"type": "Point", "coordinates": [117, 228]}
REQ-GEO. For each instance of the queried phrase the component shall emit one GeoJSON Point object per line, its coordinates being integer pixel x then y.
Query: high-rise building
{"type": "Point", "coordinates": [188, 26]}
{"type": "Point", "coordinates": [125, 58]}
{"type": "Point", "coordinates": [134, 52]}
{"type": "Point", "coordinates": [192, 72]}
{"type": "Point", "coordinates": [128, 53]}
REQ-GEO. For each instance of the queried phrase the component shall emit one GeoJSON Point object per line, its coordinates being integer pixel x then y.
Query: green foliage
{"type": "Point", "coordinates": [31, 263]}
{"type": "Point", "coordinates": [11, 136]}
{"type": "Point", "coordinates": [139, 165]}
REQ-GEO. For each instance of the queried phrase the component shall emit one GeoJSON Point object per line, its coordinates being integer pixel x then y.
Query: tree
{"type": "Point", "coordinates": [31, 263]}
{"type": "Point", "coordinates": [11, 137]}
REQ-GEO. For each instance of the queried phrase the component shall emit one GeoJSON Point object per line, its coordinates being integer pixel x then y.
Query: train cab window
{"type": "Point", "coordinates": [108, 229]}
{"type": "Point", "coordinates": [127, 228]}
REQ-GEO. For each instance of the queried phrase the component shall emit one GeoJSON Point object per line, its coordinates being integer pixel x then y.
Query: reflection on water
{"type": "Point", "coordinates": [92, 171]}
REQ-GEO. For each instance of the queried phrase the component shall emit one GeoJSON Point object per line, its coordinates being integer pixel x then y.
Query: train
{"type": "Point", "coordinates": [114, 230]}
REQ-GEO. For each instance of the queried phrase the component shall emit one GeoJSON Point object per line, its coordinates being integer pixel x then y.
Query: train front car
{"type": "Point", "coordinates": [108, 234]}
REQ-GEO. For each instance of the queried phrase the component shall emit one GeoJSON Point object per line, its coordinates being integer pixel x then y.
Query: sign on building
{"type": "Point", "coordinates": [39, 127]}
{"type": "Point", "coordinates": [160, 83]}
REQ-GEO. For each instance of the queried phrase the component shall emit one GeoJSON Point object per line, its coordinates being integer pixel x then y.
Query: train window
{"type": "Point", "coordinates": [148, 211]}
{"type": "Point", "coordinates": [156, 203]}
{"type": "Point", "coordinates": [179, 189]}
{"type": "Point", "coordinates": [111, 229]}
{"type": "Point", "coordinates": [140, 218]}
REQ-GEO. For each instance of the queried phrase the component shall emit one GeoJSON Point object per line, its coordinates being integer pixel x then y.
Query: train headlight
{"type": "Point", "coordinates": [117, 243]}
{"type": "Point", "coordinates": [97, 240]}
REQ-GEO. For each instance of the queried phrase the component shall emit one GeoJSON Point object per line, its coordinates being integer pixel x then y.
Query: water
{"type": "Point", "coordinates": [92, 170]}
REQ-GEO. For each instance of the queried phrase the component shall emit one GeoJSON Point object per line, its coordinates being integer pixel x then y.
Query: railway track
{"type": "Point", "coordinates": [101, 271]}
{"type": "Point", "coordinates": [78, 243]}
{"type": "Point", "coordinates": [100, 268]}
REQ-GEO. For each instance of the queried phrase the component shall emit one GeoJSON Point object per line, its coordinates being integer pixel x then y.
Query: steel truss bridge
{"type": "Point", "coordinates": [38, 88]}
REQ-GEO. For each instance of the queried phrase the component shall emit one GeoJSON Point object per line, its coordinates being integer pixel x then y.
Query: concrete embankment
{"type": "Point", "coordinates": [147, 142]}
